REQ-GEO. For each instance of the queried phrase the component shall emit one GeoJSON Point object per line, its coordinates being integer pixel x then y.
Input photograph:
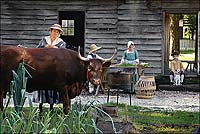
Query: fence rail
{"type": "Point", "coordinates": [187, 44]}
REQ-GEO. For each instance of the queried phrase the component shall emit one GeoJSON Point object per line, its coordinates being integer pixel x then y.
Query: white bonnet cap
{"type": "Point", "coordinates": [129, 43]}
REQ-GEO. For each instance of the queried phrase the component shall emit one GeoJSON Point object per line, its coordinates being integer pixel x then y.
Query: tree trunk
{"type": "Point", "coordinates": [174, 28]}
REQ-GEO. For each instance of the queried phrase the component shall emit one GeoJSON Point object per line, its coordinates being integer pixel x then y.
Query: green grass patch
{"type": "Point", "coordinates": [187, 51]}
{"type": "Point", "coordinates": [148, 120]}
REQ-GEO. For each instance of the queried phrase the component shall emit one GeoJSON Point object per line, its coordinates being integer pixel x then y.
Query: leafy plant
{"type": "Point", "coordinates": [190, 20]}
{"type": "Point", "coordinates": [133, 65]}
{"type": "Point", "coordinates": [18, 87]}
{"type": "Point", "coordinates": [80, 119]}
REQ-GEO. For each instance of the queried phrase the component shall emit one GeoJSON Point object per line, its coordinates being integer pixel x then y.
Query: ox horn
{"type": "Point", "coordinates": [112, 57]}
{"type": "Point", "coordinates": [79, 55]}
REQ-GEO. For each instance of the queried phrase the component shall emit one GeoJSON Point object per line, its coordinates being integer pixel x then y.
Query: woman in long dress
{"type": "Point", "coordinates": [51, 41]}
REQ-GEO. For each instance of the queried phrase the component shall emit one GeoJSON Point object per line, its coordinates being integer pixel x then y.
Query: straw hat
{"type": "Point", "coordinates": [130, 43]}
{"type": "Point", "coordinates": [93, 48]}
{"type": "Point", "coordinates": [56, 26]}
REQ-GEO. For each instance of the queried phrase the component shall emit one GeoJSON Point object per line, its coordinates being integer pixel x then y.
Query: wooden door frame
{"type": "Point", "coordinates": [198, 36]}
{"type": "Point", "coordinates": [74, 10]}
{"type": "Point", "coordinates": [165, 47]}
{"type": "Point", "coordinates": [165, 50]}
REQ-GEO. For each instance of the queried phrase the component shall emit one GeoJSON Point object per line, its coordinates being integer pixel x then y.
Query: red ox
{"type": "Point", "coordinates": [60, 69]}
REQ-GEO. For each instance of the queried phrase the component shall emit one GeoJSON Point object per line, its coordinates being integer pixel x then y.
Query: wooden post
{"type": "Point", "coordinates": [198, 54]}
{"type": "Point", "coordinates": [126, 113]}
{"type": "Point", "coordinates": [108, 95]}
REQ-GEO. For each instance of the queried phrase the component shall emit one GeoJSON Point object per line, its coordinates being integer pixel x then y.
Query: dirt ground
{"type": "Point", "coordinates": [162, 100]}
{"type": "Point", "coordinates": [120, 127]}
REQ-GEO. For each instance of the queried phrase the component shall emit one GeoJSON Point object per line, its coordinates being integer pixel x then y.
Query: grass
{"type": "Point", "coordinates": [146, 119]}
{"type": "Point", "coordinates": [187, 57]}
{"type": "Point", "coordinates": [187, 51]}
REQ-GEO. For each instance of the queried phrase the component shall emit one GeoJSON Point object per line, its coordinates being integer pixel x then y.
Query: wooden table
{"type": "Point", "coordinates": [134, 72]}
{"type": "Point", "coordinates": [190, 64]}
{"type": "Point", "coordinates": [139, 68]}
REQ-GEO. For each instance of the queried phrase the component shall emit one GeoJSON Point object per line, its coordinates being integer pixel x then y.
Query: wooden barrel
{"type": "Point", "coordinates": [120, 80]}
{"type": "Point", "coordinates": [145, 87]}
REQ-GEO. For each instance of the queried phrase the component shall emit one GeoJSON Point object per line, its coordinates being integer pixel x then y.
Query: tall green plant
{"type": "Point", "coordinates": [191, 25]}
{"type": "Point", "coordinates": [18, 87]}
{"type": "Point", "coordinates": [80, 119]}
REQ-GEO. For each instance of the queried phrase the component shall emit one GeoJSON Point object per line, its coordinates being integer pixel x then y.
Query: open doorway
{"type": "Point", "coordinates": [181, 35]}
{"type": "Point", "coordinates": [73, 25]}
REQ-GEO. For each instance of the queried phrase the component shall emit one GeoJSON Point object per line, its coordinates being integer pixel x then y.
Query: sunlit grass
{"type": "Point", "coordinates": [187, 57]}
{"type": "Point", "coordinates": [159, 115]}
{"type": "Point", "coordinates": [147, 120]}
{"type": "Point", "coordinates": [170, 129]}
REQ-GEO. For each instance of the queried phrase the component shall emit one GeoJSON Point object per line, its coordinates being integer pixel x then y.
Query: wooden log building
{"type": "Point", "coordinates": [108, 23]}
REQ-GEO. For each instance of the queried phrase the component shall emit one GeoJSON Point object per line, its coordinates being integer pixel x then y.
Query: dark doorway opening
{"type": "Point", "coordinates": [73, 25]}
{"type": "Point", "coordinates": [181, 35]}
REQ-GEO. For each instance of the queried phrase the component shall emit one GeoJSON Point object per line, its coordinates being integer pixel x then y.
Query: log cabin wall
{"type": "Point", "coordinates": [143, 26]}
{"type": "Point", "coordinates": [101, 26]}
{"type": "Point", "coordinates": [26, 22]}
{"type": "Point", "coordinates": [109, 23]}
{"type": "Point", "coordinates": [175, 6]}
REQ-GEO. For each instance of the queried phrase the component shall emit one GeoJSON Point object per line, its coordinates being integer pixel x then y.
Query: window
{"type": "Point", "coordinates": [68, 27]}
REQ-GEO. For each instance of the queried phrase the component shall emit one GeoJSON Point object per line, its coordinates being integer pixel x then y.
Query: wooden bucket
{"type": "Point", "coordinates": [145, 87]}
{"type": "Point", "coordinates": [111, 110]}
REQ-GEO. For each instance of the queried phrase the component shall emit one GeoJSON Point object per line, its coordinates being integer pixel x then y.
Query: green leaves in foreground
{"type": "Point", "coordinates": [18, 87]}
{"type": "Point", "coordinates": [80, 119]}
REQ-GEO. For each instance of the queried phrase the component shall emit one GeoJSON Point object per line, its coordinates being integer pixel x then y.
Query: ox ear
{"type": "Point", "coordinates": [106, 64]}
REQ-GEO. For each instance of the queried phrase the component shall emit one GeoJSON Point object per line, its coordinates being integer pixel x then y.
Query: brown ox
{"type": "Point", "coordinates": [60, 69]}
